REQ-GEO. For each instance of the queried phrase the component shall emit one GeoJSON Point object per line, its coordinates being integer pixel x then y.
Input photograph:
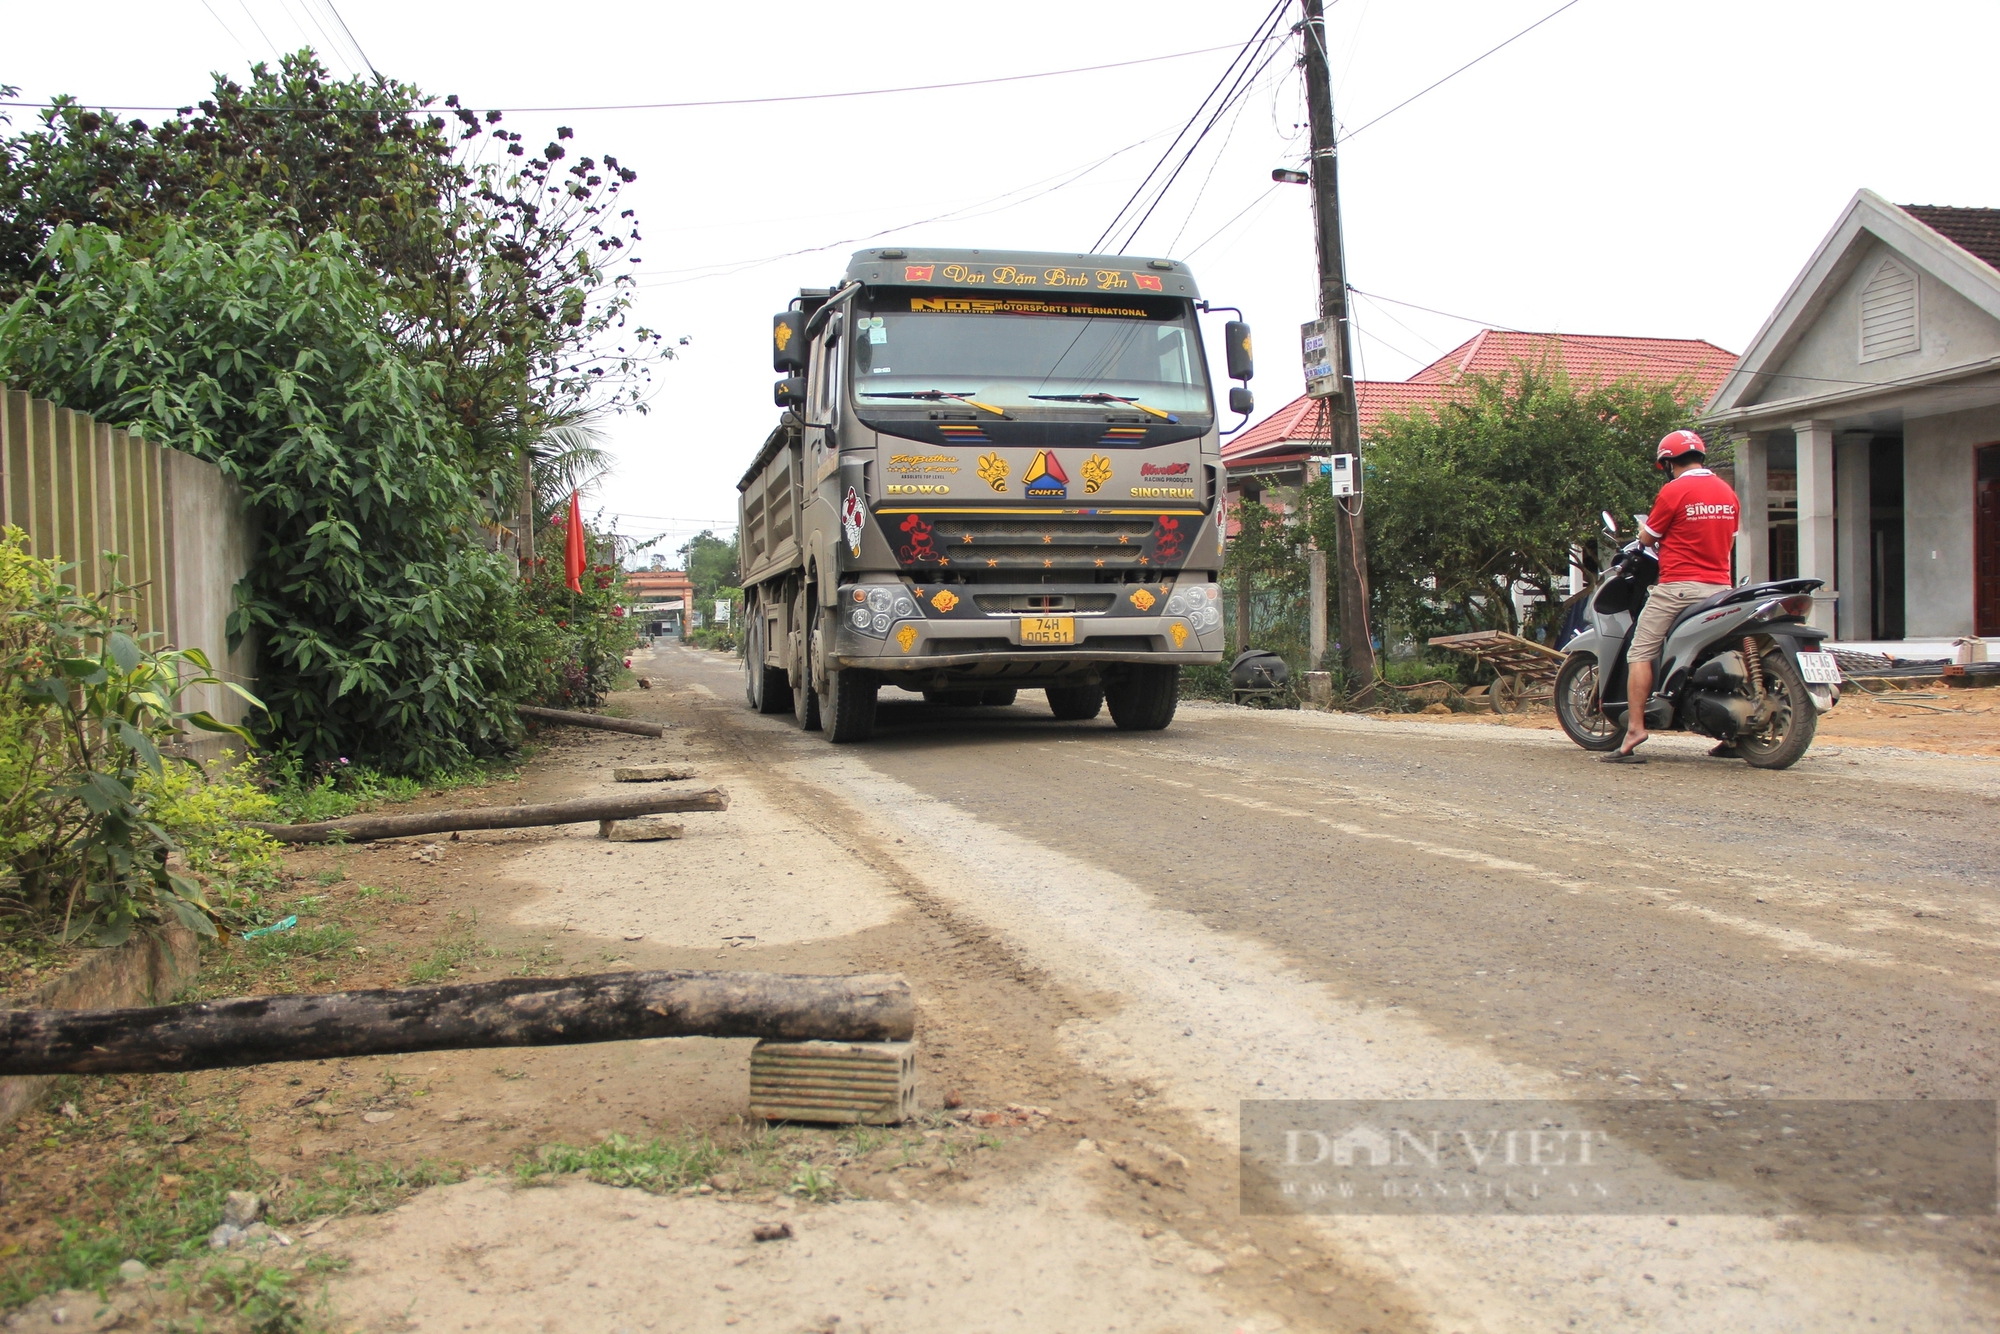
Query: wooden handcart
{"type": "Point", "coordinates": [1524, 670]}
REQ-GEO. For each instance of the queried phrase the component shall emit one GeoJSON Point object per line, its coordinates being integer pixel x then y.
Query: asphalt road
{"type": "Point", "coordinates": [1395, 908]}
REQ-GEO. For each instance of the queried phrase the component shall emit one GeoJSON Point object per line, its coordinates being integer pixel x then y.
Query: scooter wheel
{"type": "Point", "coordinates": [1791, 732]}
{"type": "Point", "coordinates": [1577, 705]}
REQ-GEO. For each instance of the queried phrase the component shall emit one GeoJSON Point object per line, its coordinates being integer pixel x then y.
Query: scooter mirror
{"type": "Point", "coordinates": [1610, 524]}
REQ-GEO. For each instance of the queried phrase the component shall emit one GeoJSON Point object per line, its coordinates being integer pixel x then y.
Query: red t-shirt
{"type": "Point", "coordinates": [1695, 520]}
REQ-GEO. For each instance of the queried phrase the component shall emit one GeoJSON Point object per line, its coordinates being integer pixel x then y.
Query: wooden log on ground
{"type": "Point", "coordinates": [365, 828]}
{"type": "Point", "coordinates": [514, 1012]}
{"type": "Point", "coordinates": [597, 720]}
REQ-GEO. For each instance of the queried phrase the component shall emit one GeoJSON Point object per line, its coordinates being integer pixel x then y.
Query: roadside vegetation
{"type": "Point", "coordinates": [1469, 502]}
{"type": "Point", "coordinates": [389, 320]}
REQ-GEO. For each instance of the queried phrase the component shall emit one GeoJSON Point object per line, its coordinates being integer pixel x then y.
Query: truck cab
{"type": "Point", "coordinates": [994, 471]}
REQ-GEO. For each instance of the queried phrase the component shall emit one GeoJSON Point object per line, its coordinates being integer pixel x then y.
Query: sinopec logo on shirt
{"type": "Point", "coordinates": [1045, 478]}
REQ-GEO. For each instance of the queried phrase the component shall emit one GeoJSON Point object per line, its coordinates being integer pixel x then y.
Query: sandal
{"type": "Point", "coordinates": [1622, 757]}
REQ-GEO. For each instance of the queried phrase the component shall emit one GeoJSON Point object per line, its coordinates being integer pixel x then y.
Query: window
{"type": "Point", "coordinates": [1889, 312]}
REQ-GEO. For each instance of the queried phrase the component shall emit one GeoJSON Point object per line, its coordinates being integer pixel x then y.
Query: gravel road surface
{"type": "Point", "coordinates": [1283, 905]}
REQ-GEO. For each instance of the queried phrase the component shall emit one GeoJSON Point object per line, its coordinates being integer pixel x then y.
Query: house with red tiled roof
{"type": "Point", "coordinates": [1277, 451]}
{"type": "Point", "coordinates": [1869, 411]}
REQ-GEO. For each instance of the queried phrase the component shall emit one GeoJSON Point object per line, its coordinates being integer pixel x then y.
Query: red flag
{"type": "Point", "coordinates": [574, 557]}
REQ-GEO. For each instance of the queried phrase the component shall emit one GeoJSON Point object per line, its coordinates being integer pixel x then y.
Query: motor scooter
{"type": "Point", "coordinates": [1742, 667]}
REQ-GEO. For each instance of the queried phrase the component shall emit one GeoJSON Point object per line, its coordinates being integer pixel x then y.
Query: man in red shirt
{"type": "Point", "coordinates": [1693, 527]}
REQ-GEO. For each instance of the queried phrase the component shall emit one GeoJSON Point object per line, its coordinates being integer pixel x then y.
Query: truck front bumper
{"type": "Point", "coordinates": [918, 644]}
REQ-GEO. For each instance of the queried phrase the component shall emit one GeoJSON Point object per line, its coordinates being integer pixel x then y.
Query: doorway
{"type": "Point", "coordinates": [1986, 543]}
{"type": "Point", "coordinates": [1885, 537]}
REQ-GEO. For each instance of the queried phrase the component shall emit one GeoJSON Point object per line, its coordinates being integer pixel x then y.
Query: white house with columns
{"type": "Point", "coordinates": [1867, 413]}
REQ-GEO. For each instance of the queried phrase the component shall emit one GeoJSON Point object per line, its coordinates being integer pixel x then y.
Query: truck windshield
{"type": "Point", "coordinates": [1008, 349]}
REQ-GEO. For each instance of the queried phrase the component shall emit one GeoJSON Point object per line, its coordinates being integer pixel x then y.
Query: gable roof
{"type": "Point", "coordinates": [1947, 243]}
{"type": "Point", "coordinates": [1975, 230]}
{"type": "Point", "coordinates": [1300, 428]}
{"type": "Point", "coordinates": [1589, 358]}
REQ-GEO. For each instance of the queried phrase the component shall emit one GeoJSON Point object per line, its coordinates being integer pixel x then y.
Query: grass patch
{"type": "Point", "coordinates": [458, 948]}
{"type": "Point", "coordinates": [306, 795]}
{"type": "Point", "coordinates": [657, 1165]}
{"type": "Point", "coordinates": [138, 1168]}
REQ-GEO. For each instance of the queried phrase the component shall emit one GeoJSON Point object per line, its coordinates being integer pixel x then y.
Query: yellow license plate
{"type": "Point", "coordinates": [1048, 629]}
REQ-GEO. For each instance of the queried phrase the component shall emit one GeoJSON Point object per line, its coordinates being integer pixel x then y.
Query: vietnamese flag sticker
{"type": "Point", "coordinates": [1149, 281]}
{"type": "Point", "coordinates": [917, 273]}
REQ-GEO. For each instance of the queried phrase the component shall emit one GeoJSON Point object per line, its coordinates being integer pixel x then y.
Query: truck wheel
{"type": "Point", "coordinates": [1144, 700]}
{"type": "Point", "coordinates": [768, 688]}
{"type": "Point", "coordinates": [1784, 743]}
{"type": "Point", "coordinates": [805, 700]}
{"type": "Point", "coordinates": [1075, 704]}
{"type": "Point", "coordinates": [997, 699]}
{"type": "Point", "coordinates": [848, 706]}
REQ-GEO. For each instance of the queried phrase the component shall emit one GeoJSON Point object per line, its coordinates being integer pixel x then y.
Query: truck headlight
{"type": "Point", "coordinates": [1199, 604]}
{"type": "Point", "coordinates": [873, 608]}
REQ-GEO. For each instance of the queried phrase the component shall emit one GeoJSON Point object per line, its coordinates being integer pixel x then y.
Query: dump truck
{"type": "Point", "coordinates": [993, 471]}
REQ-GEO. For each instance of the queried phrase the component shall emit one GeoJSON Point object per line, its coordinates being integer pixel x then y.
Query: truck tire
{"type": "Point", "coordinates": [848, 707]}
{"type": "Point", "coordinates": [1075, 704]}
{"type": "Point", "coordinates": [997, 699]}
{"type": "Point", "coordinates": [805, 700]}
{"type": "Point", "coordinates": [769, 689]}
{"type": "Point", "coordinates": [1144, 700]}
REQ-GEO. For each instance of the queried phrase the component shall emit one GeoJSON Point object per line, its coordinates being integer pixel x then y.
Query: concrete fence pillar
{"type": "Point", "coordinates": [1816, 546]}
{"type": "Point", "coordinates": [1753, 495]}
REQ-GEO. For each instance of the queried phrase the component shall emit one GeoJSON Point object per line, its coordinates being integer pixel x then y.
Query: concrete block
{"type": "Point", "coordinates": [868, 1083]}
{"type": "Point", "coordinates": [1319, 689]}
{"type": "Point", "coordinates": [645, 829]}
{"type": "Point", "coordinates": [651, 773]}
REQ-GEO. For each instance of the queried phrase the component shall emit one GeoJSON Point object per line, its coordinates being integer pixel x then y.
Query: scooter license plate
{"type": "Point", "coordinates": [1819, 669]}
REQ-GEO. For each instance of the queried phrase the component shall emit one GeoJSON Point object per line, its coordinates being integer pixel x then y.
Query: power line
{"type": "Point", "coordinates": [337, 18]}
{"type": "Point", "coordinates": [226, 28]}
{"type": "Point", "coordinates": [1461, 69]}
{"type": "Point", "coordinates": [736, 101]}
{"type": "Point", "coordinates": [1064, 179]}
{"type": "Point", "coordinates": [1268, 192]}
{"type": "Point", "coordinates": [1259, 36]}
{"type": "Point", "coordinates": [1484, 324]}
{"type": "Point", "coordinates": [243, 5]}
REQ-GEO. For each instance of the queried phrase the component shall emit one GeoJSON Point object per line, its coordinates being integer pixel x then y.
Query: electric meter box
{"type": "Point", "coordinates": [1340, 471]}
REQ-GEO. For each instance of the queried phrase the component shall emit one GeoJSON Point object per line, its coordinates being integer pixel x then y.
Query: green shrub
{"type": "Point", "coordinates": [91, 717]}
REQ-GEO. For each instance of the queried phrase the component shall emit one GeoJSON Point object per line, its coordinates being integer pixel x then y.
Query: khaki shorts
{"type": "Point", "coordinates": [1666, 602]}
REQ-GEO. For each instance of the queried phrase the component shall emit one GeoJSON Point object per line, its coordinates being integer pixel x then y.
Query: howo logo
{"type": "Point", "coordinates": [1163, 469]}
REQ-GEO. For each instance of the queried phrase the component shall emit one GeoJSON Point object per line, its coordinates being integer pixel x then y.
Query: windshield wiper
{"type": "Point", "coordinates": [938, 395]}
{"type": "Point", "coordinates": [1108, 398]}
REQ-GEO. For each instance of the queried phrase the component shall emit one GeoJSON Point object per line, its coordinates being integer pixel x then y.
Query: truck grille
{"type": "Point", "coordinates": [1109, 544]}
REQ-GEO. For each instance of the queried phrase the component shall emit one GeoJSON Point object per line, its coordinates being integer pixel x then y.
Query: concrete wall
{"type": "Point", "coordinates": [210, 540]}
{"type": "Point", "coordinates": [80, 488]}
{"type": "Point", "coordinates": [1938, 519]}
{"type": "Point", "coordinates": [1954, 333]}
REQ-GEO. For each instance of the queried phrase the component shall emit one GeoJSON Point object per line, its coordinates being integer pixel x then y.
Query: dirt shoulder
{"type": "Point", "coordinates": [615, 1180]}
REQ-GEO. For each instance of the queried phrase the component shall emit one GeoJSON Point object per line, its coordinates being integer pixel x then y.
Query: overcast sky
{"type": "Point", "coordinates": [1644, 167]}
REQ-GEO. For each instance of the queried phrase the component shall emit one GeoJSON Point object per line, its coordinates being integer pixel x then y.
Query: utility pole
{"type": "Point", "coordinates": [1351, 561]}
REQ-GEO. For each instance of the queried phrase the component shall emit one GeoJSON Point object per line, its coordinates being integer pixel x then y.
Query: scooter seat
{"type": "Point", "coordinates": [1705, 605]}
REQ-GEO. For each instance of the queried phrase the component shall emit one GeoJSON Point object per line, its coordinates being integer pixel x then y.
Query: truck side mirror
{"type": "Point", "coordinates": [790, 392]}
{"type": "Point", "coordinates": [1236, 340]}
{"type": "Point", "coordinates": [1242, 401]}
{"type": "Point", "coordinates": [788, 341]}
